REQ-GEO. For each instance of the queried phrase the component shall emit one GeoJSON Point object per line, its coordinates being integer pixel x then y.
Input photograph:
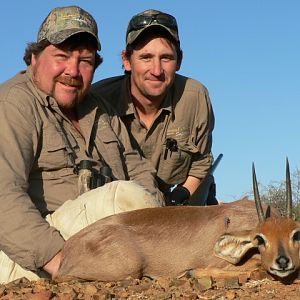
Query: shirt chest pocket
{"type": "Point", "coordinates": [176, 157]}
{"type": "Point", "coordinates": [54, 153]}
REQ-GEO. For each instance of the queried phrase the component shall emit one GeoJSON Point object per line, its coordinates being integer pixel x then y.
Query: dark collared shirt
{"type": "Point", "coordinates": [185, 115]}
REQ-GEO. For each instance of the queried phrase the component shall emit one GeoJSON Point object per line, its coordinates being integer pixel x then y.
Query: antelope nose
{"type": "Point", "coordinates": [282, 261]}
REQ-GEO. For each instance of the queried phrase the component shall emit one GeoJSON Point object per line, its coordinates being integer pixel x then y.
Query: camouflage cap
{"type": "Point", "coordinates": [63, 22]}
{"type": "Point", "coordinates": [147, 19]}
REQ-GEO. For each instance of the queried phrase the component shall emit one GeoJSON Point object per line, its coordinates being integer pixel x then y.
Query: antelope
{"type": "Point", "coordinates": [174, 241]}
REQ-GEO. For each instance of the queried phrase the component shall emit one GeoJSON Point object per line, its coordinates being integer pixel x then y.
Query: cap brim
{"type": "Point", "coordinates": [133, 35]}
{"type": "Point", "coordinates": [62, 35]}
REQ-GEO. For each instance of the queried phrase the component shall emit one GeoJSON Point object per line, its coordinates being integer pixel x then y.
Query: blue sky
{"type": "Point", "coordinates": [245, 52]}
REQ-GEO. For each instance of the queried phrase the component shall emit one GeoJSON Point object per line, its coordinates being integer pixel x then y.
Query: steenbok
{"type": "Point", "coordinates": [175, 240]}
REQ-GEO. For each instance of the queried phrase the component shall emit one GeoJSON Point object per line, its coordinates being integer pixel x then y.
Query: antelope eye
{"type": "Point", "coordinates": [260, 240]}
{"type": "Point", "coordinates": [296, 236]}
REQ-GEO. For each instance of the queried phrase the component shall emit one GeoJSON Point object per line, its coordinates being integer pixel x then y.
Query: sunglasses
{"type": "Point", "coordinates": [138, 22]}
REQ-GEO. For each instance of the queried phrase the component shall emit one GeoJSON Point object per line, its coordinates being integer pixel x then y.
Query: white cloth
{"type": "Point", "coordinates": [74, 215]}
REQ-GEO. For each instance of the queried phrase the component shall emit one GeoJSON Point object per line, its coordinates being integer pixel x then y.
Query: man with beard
{"type": "Point", "coordinates": [51, 132]}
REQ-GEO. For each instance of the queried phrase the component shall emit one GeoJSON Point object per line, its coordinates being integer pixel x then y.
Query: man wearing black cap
{"type": "Point", "coordinates": [169, 116]}
{"type": "Point", "coordinates": [53, 137]}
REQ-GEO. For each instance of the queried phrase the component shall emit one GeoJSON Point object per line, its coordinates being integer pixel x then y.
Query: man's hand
{"type": "Point", "coordinates": [177, 196]}
{"type": "Point", "coordinates": [52, 266]}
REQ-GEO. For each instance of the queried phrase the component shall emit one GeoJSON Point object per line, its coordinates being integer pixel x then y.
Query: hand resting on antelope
{"type": "Point", "coordinates": [171, 241]}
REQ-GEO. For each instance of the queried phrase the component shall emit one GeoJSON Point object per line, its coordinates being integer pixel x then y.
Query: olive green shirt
{"type": "Point", "coordinates": [37, 173]}
{"type": "Point", "coordinates": [185, 115]}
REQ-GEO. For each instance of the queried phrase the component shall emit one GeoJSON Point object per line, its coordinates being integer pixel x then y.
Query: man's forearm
{"type": "Point", "coordinates": [191, 183]}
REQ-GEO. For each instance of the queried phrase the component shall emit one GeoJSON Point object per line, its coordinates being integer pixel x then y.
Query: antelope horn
{"type": "Point", "coordinates": [259, 209]}
{"type": "Point", "coordinates": [289, 201]}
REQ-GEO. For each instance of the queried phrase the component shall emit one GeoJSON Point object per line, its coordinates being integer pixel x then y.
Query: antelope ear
{"type": "Point", "coordinates": [233, 246]}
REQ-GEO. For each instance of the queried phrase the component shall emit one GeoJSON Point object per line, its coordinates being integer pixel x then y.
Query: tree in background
{"type": "Point", "coordinates": [275, 195]}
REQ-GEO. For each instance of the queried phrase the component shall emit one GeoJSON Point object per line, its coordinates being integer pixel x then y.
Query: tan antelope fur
{"type": "Point", "coordinates": [277, 238]}
{"type": "Point", "coordinates": [171, 241]}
